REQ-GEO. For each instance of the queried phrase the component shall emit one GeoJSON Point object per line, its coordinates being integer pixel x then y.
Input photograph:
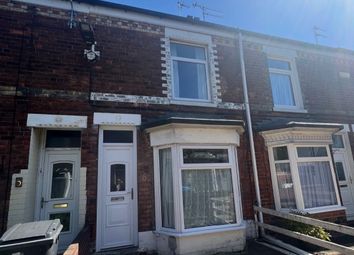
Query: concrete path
{"type": "Point", "coordinates": [255, 247]}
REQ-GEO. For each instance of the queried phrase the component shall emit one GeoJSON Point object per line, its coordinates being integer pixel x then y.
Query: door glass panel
{"type": "Point", "coordinates": [120, 136]}
{"type": "Point", "coordinates": [117, 177]}
{"type": "Point", "coordinates": [63, 139]}
{"type": "Point", "coordinates": [64, 220]}
{"type": "Point", "coordinates": [61, 180]}
{"type": "Point", "coordinates": [340, 171]}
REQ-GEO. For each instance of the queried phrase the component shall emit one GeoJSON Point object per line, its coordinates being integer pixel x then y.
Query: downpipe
{"type": "Point", "coordinates": [250, 130]}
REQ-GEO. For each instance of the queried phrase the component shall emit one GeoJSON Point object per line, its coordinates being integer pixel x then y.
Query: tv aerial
{"type": "Point", "coordinates": [181, 5]}
{"type": "Point", "coordinates": [318, 32]}
{"type": "Point", "coordinates": [206, 11]}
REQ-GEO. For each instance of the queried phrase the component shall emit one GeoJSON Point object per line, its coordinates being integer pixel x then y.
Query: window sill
{"type": "Point", "coordinates": [318, 209]}
{"type": "Point", "coordinates": [207, 230]}
{"type": "Point", "coordinates": [193, 103]}
{"type": "Point", "coordinates": [280, 109]}
{"type": "Point", "coordinates": [325, 209]}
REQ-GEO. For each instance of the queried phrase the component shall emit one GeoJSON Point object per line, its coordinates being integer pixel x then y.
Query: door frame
{"type": "Point", "coordinates": [40, 180]}
{"type": "Point", "coordinates": [100, 177]}
{"type": "Point", "coordinates": [347, 153]}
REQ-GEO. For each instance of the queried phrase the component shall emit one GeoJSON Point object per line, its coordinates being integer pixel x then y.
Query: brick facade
{"type": "Point", "coordinates": [44, 71]}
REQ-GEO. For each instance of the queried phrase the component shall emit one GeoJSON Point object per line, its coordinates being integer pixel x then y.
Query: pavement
{"type": "Point", "coordinates": [255, 247]}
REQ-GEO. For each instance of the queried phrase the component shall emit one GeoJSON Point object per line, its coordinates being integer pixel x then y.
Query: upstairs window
{"type": "Point", "coordinates": [284, 84]}
{"type": "Point", "coordinates": [280, 79]}
{"type": "Point", "coordinates": [189, 65]}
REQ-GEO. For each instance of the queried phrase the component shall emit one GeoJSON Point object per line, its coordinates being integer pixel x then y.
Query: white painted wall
{"type": "Point", "coordinates": [22, 199]}
{"type": "Point", "coordinates": [189, 133]}
{"type": "Point", "coordinates": [147, 241]}
{"type": "Point", "coordinates": [251, 229]}
{"type": "Point", "coordinates": [203, 244]}
{"type": "Point", "coordinates": [82, 198]}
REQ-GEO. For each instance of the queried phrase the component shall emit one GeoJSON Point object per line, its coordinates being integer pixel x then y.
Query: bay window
{"type": "Point", "coordinates": [197, 187]}
{"type": "Point", "coordinates": [303, 177]}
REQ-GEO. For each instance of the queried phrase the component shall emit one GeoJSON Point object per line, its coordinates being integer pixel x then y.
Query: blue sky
{"type": "Point", "coordinates": [293, 19]}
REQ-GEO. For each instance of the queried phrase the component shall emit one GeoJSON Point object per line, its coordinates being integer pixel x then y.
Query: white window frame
{"type": "Point", "coordinates": [199, 40]}
{"type": "Point", "coordinates": [177, 167]}
{"type": "Point", "coordinates": [294, 159]}
{"type": "Point", "coordinates": [194, 61]}
{"type": "Point", "coordinates": [289, 56]}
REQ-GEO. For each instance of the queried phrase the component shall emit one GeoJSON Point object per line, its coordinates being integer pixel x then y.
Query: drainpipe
{"type": "Point", "coordinates": [249, 127]}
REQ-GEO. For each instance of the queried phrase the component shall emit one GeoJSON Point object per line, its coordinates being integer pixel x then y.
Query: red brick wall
{"type": "Point", "coordinates": [146, 202]}
{"type": "Point", "coordinates": [52, 77]}
{"type": "Point", "coordinates": [52, 58]}
{"type": "Point", "coordinates": [334, 216]}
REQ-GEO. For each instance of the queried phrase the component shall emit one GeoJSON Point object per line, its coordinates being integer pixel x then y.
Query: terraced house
{"type": "Point", "coordinates": [132, 125]}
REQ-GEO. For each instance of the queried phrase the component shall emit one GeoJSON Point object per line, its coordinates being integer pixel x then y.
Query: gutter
{"type": "Point", "coordinates": [250, 130]}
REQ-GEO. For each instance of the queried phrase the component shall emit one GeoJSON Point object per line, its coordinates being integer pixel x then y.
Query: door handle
{"type": "Point", "coordinates": [132, 193]}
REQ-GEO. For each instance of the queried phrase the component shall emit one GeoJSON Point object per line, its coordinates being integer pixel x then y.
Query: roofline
{"type": "Point", "coordinates": [196, 21]}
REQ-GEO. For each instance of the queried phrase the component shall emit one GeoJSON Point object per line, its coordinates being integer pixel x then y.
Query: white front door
{"type": "Point", "coordinates": [59, 191]}
{"type": "Point", "coordinates": [344, 174]}
{"type": "Point", "coordinates": [116, 226]}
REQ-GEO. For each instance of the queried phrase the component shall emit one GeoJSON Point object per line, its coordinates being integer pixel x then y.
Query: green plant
{"type": "Point", "coordinates": [314, 231]}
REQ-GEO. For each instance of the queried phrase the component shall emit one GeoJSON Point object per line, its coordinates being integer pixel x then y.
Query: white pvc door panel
{"type": "Point", "coordinates": [117, 206]}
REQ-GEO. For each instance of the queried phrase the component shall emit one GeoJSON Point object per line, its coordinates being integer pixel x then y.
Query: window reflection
{"type": "Point", "coordinates": [61, 180]}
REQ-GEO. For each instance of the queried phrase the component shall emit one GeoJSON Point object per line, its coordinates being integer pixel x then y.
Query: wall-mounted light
{"type": "Point", "coordinates": [92, 54]}
{"type": "Point", "coordinates": [87, 34]}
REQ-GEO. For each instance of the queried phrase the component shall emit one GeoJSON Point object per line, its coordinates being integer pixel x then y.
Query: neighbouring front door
{"type": "Point", "coordinates": [116, 209]}
{"type": "Point", "coordinates": [344, 174]}
{"type": "Point", "coordinates": [59, 192]}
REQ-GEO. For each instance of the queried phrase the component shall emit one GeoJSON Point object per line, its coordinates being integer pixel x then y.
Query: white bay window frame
{"type": "Point", "coordinates": [294, 159]}
{"type": "Point", "coordinates": [177, 167]}
{"type": "Point", "coordinates": [184, 133]}
{"type": "Point", "coordinates": [294, 135]}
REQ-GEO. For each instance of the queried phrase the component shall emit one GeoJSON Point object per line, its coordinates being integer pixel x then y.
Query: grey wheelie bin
{"type": "Point", "coordinates": [33, 238]}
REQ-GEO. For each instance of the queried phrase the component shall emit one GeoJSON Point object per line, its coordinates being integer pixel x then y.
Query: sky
{"type": "Point", "coordinates": [292, 19]}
